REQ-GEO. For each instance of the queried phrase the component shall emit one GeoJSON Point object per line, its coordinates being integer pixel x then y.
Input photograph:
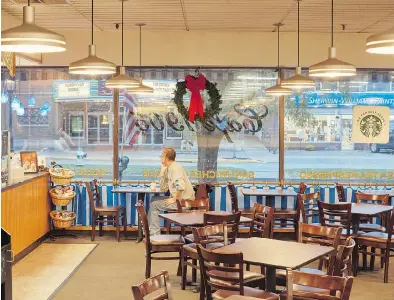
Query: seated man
{"type": "Point", "coordinates": [173, 177]}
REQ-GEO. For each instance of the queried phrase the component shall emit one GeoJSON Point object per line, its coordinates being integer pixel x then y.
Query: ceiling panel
{"type": "Point", "coordinates": [213, 15]}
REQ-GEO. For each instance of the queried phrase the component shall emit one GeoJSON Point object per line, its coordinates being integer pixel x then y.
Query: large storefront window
{"type": "Point", "coordinates": [319, 143]}
{"type": "Point", "coordinates": [66, 116]}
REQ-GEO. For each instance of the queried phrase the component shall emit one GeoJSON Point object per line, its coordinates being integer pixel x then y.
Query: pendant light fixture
{"type": "Point", "coordinates": [298, 81]}
{"type": "Point", "coordinates": [278, 90]}
{"type": "Point", "coordinates": [92, 65]}
{"type": "Point", "coordinates": [332, 67]}
{"type": "Point", "coordinates": [141, 89]}
{"type": "Point", "coordinates": [121, 81]}
{"type": "Point", "coordinates": [30, 38]}
{"type": "Point", "coordinates": [381, 43]}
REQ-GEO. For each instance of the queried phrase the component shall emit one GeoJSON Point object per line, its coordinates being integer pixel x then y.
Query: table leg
{"type": "Point", "coordinates": [270, 279]}
{"type": "Point", "coordinates": [356, 224]}
{"type": "Point", "coordinates": [141, 197]}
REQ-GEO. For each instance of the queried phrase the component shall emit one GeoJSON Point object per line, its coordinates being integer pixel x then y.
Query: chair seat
{"type": "Point", "coordinates": [110, 209]}
{"type": "Point", "coordinates": [372, 227]}
{"type": "Point", "coordinates": [282, 273]}
{"type": "Point", "coordinates": [248, 291]}
{"type": "Point", "coordinates": [193, 248]}
{"type": "Point", "coordinates": [379, 236]}
{"type": "Point", "coordinates": [167, 239]}
{"type": "Point", "coordinates": [190, 237]}
{"type": "Point", "coordinates": [306, 292]}
{"type": "Point", "coordinates": [248, 276]}
{"type": "Point", "coordinates": [285, 213]}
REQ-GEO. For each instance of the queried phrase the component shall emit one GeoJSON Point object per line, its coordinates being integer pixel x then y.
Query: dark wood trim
{"type": "Point", "coordinates": [281, 136]}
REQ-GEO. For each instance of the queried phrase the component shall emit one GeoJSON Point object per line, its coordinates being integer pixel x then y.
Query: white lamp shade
{"type": "Point", "coordinates": [278, 90]}
{"type": "Point", "coordinates": [121, 81]}
{"type": "Point", "coordinates": [298, 81]}
{"type": "Point", "coordinates": [332, 67]}
{"type": "Point", "coordinates": [30, 38]}
{"type": "Point", "coordinates": [92, 65]}
{"type": "Point", "coordinates": [381, 43]}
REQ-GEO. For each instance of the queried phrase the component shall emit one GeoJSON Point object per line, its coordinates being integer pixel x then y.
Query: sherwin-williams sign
{"type": "Point", "coordinates": [351, 99]}
{"type": "Point", "coordinates": [371, 124]}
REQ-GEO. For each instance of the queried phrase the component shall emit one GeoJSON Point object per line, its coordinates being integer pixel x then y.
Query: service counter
{"type": "Point", "coordinates": [25, 208]}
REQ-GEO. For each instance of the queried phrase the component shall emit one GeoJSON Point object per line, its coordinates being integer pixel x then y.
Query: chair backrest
{"type": "Point", "coordinates": [307, 206]}
{"type": "Point", "coordinates": [203, 190]}
{"type": "Point", "coordinates": [340, 192]}
{"type": "Point", "coordinates": [262, 221]}
{"type": "Point", "coordinates": [233, 197]}
{"type": "Point", "coordinates": [382, 199]}
{"type": "Point", "coordinates": [343, 257]}
{"type": "Point", "coordinates": [231, 221]}
{"type": "Point", "coordinates": [151, 285]}
{"type": "Point", "coordinates": [302, 188]}
{"type": "Point", "coordinates": [336, 215]}
{"type": "Point", "coordinates": [212, 234]}
{"type": "Point", "coordinates": [202, 204]}
{"type": "Point", "coordinates": [145, 226]}
{"type": "Point", "coordinates": [324, 236]}
{"type": "Point", "coordinates": [94, 194]}
{"type": "Point", "coordinates": [215, 270]}
{"type": "Point", "coordinates": [339, 287]}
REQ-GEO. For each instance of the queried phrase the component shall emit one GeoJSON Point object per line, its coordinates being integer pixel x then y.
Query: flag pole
{"type": "Point", "coordinates": [123, 132]}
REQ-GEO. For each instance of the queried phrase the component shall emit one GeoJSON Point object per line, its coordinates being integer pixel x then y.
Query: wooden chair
{"type": "Point", "coordinates": [336, 215]}
{"type": "Point", "coordinates": [186, 206]}
{"type": "Point", "coordinates": [153, 284]}
{"type": "Point", "coordinates": [372, 199]}
{"type": "Point", "coordinates": [225, 274]}
{"type": "Point", "coordinates": [262, 221]}
{"type": "Point", "coordinates": [343, 261]}
{"type": "Point", "coordinates": [302, 188]}
{"type": "Point", "coordinates": [288, 217]}
{"type": "Point", "coordinates": [104, 214]}
{"type": "Point", "coordinates": [340, 192]}
{"type": "Point", "coordinates": [304, 286]}
{"type": "Point", "coordinates": [159, 244]}
{"type": "Point", "coordinates": [229, 223]}
{"type": "Point", "coordinates": [312, 234]}
{"type": "Point", "coordinates": [307, 207]}
{"type": "Point", "coordinates": [381, 240]}
{"type": "Point", "coordinates": [234, 201]}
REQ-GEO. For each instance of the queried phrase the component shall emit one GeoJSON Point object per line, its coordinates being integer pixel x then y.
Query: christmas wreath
{"type": "Point", "coordinates": [196, 111]}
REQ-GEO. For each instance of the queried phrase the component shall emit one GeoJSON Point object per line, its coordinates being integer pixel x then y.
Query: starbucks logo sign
{"type": "Point", "coordinates": [371, 124]}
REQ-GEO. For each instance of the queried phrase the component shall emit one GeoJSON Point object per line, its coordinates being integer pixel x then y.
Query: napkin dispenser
{"type": "Point", "coordinates": [17, 174]}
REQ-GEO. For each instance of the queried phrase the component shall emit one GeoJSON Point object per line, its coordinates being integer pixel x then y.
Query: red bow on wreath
{"type": "Point", "coordinates": [195, 85]}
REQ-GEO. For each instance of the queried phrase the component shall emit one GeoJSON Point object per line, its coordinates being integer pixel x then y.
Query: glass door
{"type": "Point", "coordinates": [99, 129]}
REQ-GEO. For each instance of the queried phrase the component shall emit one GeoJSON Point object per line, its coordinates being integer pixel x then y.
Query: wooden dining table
{"type": "Point", "coordinates": [276, 254]}
{"type": "Point", "coordinates": [195, 219]}
{"type": "Point", "coordinates": [141, 192]}
{"type": "Point", "coordinates": [363, 209]}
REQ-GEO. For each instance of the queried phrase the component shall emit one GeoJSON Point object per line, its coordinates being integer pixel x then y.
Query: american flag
{"type": "Point", "coordinates": [131, 131]}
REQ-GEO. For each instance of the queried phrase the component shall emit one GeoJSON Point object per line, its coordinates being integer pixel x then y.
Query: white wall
{"type": "Point", "coordinates": [182, 48]}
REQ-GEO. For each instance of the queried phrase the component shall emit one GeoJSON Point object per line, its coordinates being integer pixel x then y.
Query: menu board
{"type": "Point", "coordinates": [5, 152]}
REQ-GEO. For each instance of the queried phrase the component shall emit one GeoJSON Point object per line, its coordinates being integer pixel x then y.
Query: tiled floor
{"type": "Point", "coordinates": [112, 268]}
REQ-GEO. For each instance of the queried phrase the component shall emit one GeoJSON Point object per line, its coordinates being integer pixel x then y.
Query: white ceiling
{"type": "Point", "coordinates": [212, 15]}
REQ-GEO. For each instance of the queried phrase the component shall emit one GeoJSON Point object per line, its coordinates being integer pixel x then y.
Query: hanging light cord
{"type": "Point", "coordinates": [28, 2]}
{"type": "Point", "coordinates": [298, 34]}
{"type": "Point", "coordinates": [92, 21]}
{"type": "Point", "coordinates": [140, 50]}
{"type": "Point", "coordinates": [332, 23]}
{"type": "Point", "coordinates": [122, 33]}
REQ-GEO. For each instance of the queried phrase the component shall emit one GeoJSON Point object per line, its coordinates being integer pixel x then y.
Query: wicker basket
{"type": "Point", "coordinates": [60, 179]}
{"type": "Point", "coordinates": [62, 223]}
{"type": "Point", "coordinates": [61, 200]}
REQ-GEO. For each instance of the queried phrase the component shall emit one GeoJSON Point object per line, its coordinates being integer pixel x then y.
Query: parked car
{"type": "Point", "coordinates": [375, 148]}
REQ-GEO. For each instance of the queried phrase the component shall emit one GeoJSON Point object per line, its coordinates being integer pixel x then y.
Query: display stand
{"type": "Point", "coordinates": [59, 226]}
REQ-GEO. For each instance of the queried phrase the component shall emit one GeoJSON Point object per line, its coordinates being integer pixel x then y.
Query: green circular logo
{"type": "Point", "coordinates": [371, 126]}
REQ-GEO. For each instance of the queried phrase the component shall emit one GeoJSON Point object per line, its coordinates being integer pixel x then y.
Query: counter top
{"type": "Point", "coordinates": [27, 178]}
